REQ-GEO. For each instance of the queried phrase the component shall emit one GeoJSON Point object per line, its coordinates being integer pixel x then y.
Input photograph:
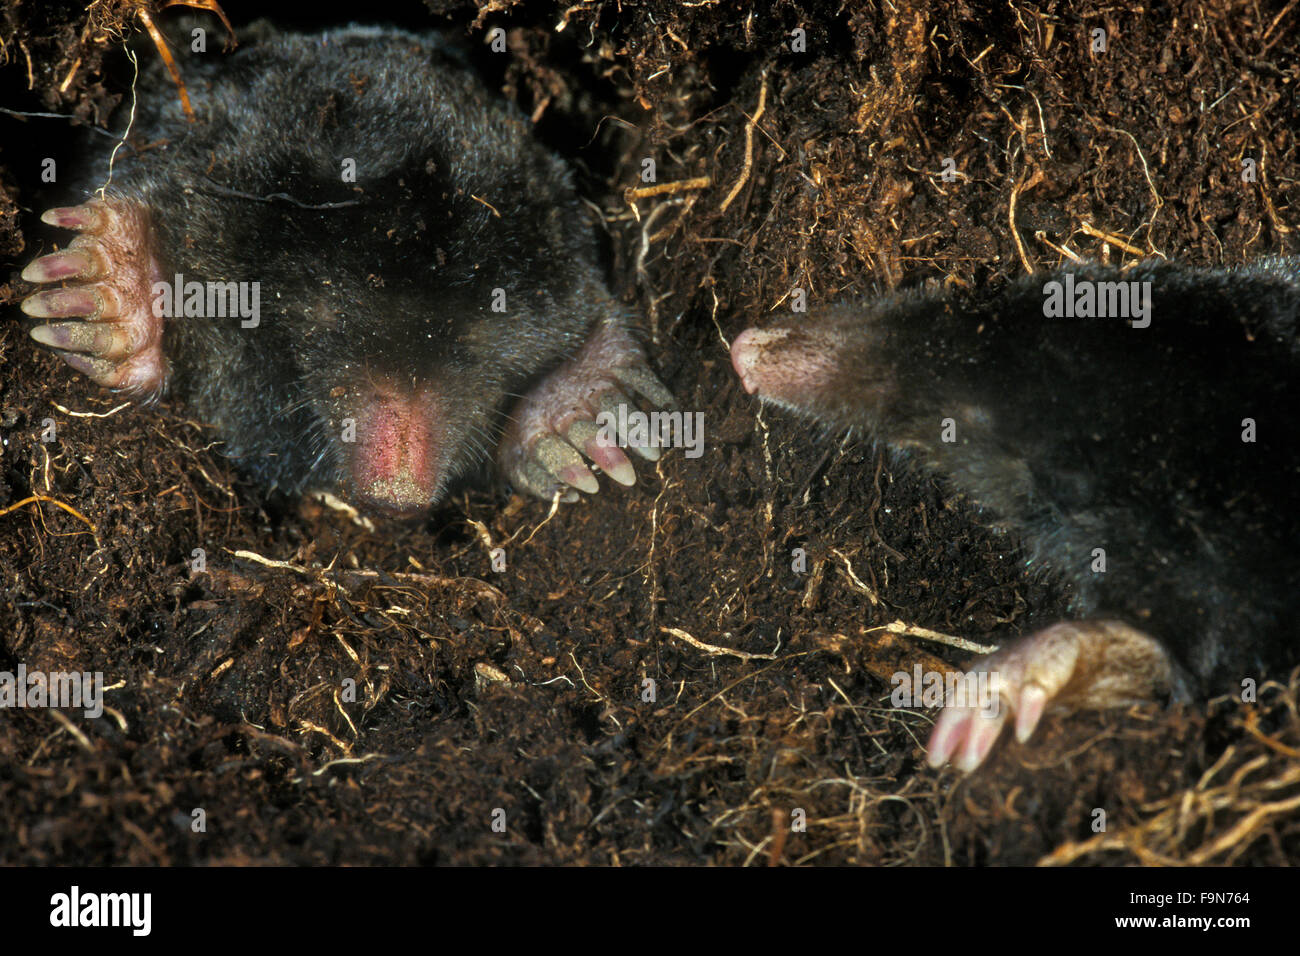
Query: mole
{"type": "Point", "coordinates": [1138, 430]}
{"type": "Point", "coordinates": [356, 265]}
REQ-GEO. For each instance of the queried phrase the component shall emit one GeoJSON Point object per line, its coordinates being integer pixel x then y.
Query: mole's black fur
{"type": "Point", "coordinates": [401, 311]}
{"type": "Point", "coordinates": [1175, 448]}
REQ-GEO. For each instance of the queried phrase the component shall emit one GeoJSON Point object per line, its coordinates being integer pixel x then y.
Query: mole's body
{"type": "Point", "coordinates": [1169, 455]}
{"type": "Point", "coordinates": [356, 265]}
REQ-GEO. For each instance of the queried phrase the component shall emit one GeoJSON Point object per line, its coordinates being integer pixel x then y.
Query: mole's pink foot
{"type": "Point", "coordinates": [1074, 665]}
{"type": "Point", "coordinates": [557, 422]}
{"type": "Point", "coordinates": [102, 322]}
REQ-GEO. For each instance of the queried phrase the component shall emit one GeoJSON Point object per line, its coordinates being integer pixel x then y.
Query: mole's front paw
{"type": "Point", "coordinates": [1074, 664]}
{"type": "Point", "coordinates": [558, 420]}
{"type": "Point", "coordinates": [102, 322]}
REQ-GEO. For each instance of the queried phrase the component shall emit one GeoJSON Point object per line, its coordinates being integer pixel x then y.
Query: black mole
{"type": "Point", "coordinates": [1154, 463]}
{"type": "Point", "coordinates": [358, 266]}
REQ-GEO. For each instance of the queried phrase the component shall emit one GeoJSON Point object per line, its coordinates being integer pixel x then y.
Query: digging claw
{"type": "Point", "coordinates": [644, 382]}
{"type": "Point", "coordinates": [88, 217]}
{"type": "Point", "coordinates": [558, 458]}
{"type": "Point", "coordinates": [609, 403]}
{"type": "Point", "coordinates": [69, 303]}
{"type": "Point", "coordinates": [69, 264]}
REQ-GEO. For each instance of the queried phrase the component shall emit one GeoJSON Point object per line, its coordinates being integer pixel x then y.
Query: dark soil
{"type": "Point", "coordinates": [571, 690]}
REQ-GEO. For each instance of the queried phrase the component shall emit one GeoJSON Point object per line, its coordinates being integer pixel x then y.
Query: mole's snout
{"type": "Point", "coordinates": [747, 354]}
{"type": "Point", "coordinates": [397, 451]}
{"type": "Point", "coordinates": [783, 364]}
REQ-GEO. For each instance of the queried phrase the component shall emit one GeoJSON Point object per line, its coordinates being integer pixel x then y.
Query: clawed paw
{"type": "Point", "coordinates": [102, 321]}
{"type": "Point", "coordinates": [580, 413]}
{"type": "Point", "coordinates": [1077, 664]}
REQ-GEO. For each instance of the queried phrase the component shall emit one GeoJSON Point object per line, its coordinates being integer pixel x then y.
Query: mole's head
{"type": "Point", "coordinates": [394, 350]}
{"type": "Point", "coordinates": [896, 367]}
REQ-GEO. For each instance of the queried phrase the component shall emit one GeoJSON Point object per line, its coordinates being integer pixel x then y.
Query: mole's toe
{"type": "Point", "coordinates": [57, 266]}
{"type": "Point", "coordinates": [645, 383]}
{"type": "Point", "coordinates": [87, 216]}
